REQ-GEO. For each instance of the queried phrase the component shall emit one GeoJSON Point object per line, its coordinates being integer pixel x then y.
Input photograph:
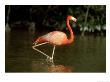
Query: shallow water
{"type": "Point", "coordinates": [86, 54]}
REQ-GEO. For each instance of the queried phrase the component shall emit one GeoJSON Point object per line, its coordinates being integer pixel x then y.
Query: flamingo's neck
{"type": "Point", "coordinates": [71, 38]}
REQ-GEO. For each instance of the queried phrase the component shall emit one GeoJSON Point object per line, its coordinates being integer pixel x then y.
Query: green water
{"type": "Point", "coordinates": [86, 54]}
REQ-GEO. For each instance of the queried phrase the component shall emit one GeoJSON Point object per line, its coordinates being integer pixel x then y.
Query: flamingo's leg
{"type": "Point", "coordinates": [51, 59]}
{"type": "Point", "coordinates": [40, 44]}
{"type": "Point", "coordinates": [39, 50]}
{"type": "Point", "coordinates": [53, 52]}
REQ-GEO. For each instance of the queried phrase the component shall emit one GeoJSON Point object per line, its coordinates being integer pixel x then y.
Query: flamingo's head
{"type": "Point", "coordinates": [72, 18]}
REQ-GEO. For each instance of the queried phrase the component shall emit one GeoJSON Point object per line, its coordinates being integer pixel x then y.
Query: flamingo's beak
{"type": "Point", "coordinates": [75, 20]}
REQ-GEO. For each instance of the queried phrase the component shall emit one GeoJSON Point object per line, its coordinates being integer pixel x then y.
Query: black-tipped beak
{"type": "Point", "coordinates": [76, 21]}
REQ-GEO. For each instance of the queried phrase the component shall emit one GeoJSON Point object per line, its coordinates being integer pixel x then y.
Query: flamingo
{"type": "Point", "coordinates": [55, 38]}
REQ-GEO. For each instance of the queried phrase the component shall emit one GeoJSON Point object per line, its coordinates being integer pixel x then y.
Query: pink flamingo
{"type": "Point", "coordinates": [55, 38]}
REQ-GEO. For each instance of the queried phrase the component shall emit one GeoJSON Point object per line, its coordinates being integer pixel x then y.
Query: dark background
{"type": "Point", "coordinates": [91, 18]}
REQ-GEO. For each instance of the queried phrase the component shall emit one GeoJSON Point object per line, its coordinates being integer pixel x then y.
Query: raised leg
{"type": "Point", "coordinates": [40, 44]}
{"type": "Point", "coordinates": [39, 50]}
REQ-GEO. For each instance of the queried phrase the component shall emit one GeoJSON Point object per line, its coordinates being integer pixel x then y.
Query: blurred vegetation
{"type": "Point", "coordinates": [91, 18]}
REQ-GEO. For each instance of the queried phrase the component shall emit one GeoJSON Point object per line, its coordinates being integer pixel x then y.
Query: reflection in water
{"type": "Point", "coordinates": [43, 66]}
{"type": "Point", "coordinates": [59, 68]}
{"type": "Point", "coordinates": [87, 54]}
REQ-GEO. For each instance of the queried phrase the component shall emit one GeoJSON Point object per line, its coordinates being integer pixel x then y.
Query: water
{"type": "Point", "coordinates": [86, 54]}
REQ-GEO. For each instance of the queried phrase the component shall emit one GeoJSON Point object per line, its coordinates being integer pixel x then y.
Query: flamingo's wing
{"type": "Point", "coordinates": [55, 37]}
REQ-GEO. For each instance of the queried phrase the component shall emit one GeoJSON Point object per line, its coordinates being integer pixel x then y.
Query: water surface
{"type": "Point", "coordinates": [86, 54]}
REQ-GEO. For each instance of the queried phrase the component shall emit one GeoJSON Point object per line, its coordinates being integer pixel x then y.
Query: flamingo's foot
{"type": "Point", "coordinates": [50, 60]}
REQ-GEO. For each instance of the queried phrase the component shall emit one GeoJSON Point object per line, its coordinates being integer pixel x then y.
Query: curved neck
{"type": "Point", "coordinates": [71, 38]}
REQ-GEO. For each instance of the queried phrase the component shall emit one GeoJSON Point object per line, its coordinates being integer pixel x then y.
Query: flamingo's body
{"type": "Point", "coordinates": [56, 38]}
